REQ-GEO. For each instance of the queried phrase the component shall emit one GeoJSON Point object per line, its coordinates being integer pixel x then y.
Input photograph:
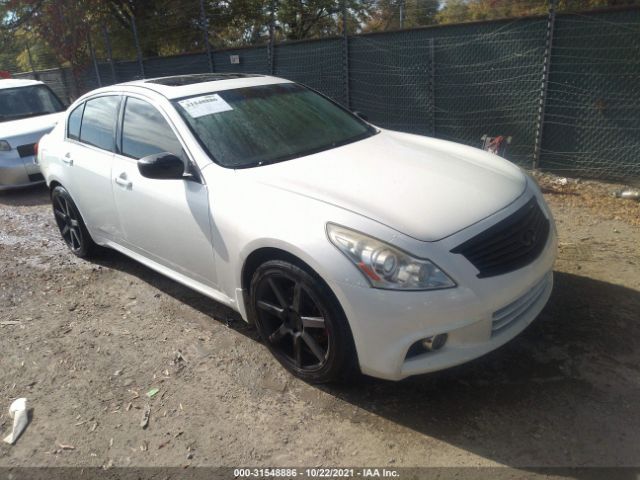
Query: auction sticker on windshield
{"type": "Point", "coordinates": [205, 105]}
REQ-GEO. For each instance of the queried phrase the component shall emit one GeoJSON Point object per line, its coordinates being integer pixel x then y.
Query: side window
{"type": "Point", "coordinates": [146, 132]}
{"type": "Point", "coordinates": [73, 123]}
{"type": "Point", "coordinates": [98, 122]}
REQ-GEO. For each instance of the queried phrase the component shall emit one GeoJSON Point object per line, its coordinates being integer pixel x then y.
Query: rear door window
{"type": "Point", "coordinates": [98, 122]}
{"type": "Point", "coordinates": [73, 124]}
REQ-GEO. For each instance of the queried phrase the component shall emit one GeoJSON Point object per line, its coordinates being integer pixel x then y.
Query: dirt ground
{"type": "Point", "coordinates": [84, 341]}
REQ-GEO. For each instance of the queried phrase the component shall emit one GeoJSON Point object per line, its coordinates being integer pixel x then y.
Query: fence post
{"type": "Point", "coordinates": [139, 52]}
{"type": "Point", "coordinates": [270, 49]}
{"type": "Point", "coordinates": [93, 58]}
{"type": "Point", "coordinates": [107, 43]}
{"type": "Point", "coordinates": [35, 74]}
{"type": "Point", "coordinates": [432, 84]}
{"type": "Point", "coordinates": [204, 21]}
{"type": "Point", "coordinates": [345, 54]}
{"type": "Point", "coordinates": [546, 67]}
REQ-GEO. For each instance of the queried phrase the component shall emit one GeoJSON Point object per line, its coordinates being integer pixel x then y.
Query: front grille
{"type": "Point", "coordinates": [510, 244]}
{"type": "Point", "coordinates": [28, 150]}
{"type": "Point", "coordinates": [516, 310]}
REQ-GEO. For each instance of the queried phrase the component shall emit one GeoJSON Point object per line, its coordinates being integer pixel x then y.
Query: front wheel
{"type": "Point", "coordinates": [301, 323]}
{"type": "Point", "coordinates": [70, 223]}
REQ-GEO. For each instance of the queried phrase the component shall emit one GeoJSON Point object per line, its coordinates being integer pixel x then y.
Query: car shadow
{"type": "Point", "coordinates": [563, 393]}
{"type": "Point", "coordinates": [205, 305]}
{"type": "Point", "coordinates": [26, 197]}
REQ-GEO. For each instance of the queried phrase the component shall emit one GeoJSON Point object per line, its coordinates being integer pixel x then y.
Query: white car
{"type": "Point", "coordinates": [347, 245]}
{"type": "Point", "coordinates": [28, 110]}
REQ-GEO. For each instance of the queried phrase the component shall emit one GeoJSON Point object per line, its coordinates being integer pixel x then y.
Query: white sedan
{"type": "Point", "coordinates": [28, 110]}
{"type": "Point", "coordinates": [348, 246]}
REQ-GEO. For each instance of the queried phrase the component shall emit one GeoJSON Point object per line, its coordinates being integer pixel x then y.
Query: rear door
{"type": "Point", "coordinates": [87, 157]}
{"type": "Point", "coordinates": [166, 221]}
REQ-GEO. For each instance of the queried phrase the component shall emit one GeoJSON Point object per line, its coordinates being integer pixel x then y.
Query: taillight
{"type": "Point", "coordinates": [35, 152]}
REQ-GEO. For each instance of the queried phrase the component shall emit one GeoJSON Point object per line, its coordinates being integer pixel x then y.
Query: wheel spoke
{"type": "Point", "coordinates": [61, 204]}
{"type": "Point", "coordinates": [315, 348]}
{"type": "Point", "coordinates": [278, 293]}
{"type": "Point", "coordinates": [278, 334]}
{"type": "Point", "coordinates": [74, 223]}
{"type": "Point", "coordinates": [74, 235]}
{"type": "Point", "coordinates": [312, 322]}
{"type": "Point", "coordinates": [59, 213]}
{"type": "Point", "coordinates": [66, 206]}
{"type": "Point", "coordinates": [271, 308]}
{"type": "Point", "coordinates": [297, 296]}
{"type": "Point", "coordinates": [65, 230]}
{"type": "Point", "coordinates": [297, 349]}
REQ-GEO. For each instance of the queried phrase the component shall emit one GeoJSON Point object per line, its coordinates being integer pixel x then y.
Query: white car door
{"type": "Point", "coordinates": [87, 156]}
{"type": "Point", "coordinates": [166, 221]}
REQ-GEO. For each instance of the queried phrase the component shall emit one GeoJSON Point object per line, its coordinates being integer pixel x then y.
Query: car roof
{"type": "Point", "coordinates": [178, 86]}
{"type": "Point", "coordinates": [17, 82]}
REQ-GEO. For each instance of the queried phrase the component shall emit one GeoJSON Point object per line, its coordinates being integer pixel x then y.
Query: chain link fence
{"type": "Point", "coordinates": [455, 82]}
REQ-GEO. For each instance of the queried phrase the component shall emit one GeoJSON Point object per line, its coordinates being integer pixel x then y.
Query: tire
{"type": "Point", "coordinates": [71, 225]}
{"type": "Point", "coordinates": [301, 323]}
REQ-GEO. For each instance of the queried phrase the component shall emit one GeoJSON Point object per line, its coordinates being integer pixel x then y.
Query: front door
{"type": "Point", "coordinates": [166, 221]}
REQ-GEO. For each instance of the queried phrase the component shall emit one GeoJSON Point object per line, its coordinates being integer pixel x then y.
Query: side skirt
{"type": "Point", "coordinates": [172, 274]}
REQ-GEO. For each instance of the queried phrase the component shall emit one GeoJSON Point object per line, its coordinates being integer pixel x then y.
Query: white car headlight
{"type": "Point", "coordinates": [4, 146]}
{"type": "Point", "coordinates": [386, 266]}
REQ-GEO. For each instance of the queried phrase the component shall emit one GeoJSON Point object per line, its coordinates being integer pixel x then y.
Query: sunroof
{"type": "Point", "coordinates": [180, 80]}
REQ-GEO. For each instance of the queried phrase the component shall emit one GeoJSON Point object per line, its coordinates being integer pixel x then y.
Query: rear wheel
{"type": "Point", "coordinates": [70, 223]}
{"type": "Point", "coordinates": [301, 323]}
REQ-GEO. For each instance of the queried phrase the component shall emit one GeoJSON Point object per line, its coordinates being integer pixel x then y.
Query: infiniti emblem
{"type": "Point", "coordinates": [528, 238]}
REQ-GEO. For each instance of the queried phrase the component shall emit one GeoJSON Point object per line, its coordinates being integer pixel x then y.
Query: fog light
{"type": "Point", "coordinates": [434, 343]}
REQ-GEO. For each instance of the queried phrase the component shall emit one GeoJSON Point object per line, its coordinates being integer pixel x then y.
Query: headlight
{"type": "Point", "coordinates": [4, 146]}
{"type": "Point", "coordinates": [386, 266]}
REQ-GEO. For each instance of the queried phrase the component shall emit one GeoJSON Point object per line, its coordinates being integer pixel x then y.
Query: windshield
{"type": "Point", "coordinates": [24, 102]}
{"type": "Point", "coordinates": [264, 124]}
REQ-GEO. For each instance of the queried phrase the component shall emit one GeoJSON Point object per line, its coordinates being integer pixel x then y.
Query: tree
{"type": "Point", "coordinates": [300, 19]}
{"type": "Point", "coordinates": [415, 13]}
{"type": "Point", "coordinates": [457, 11]}
{"type": "Point", "coordinates": [454, 11]}
{"type": "Point", "coordinates": [59, 25]}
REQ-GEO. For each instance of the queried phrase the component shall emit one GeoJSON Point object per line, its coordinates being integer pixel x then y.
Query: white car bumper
{"type": "Point", "coordinates": [18, 170]}
{"type": "Point", "coordinates": [478, 315]}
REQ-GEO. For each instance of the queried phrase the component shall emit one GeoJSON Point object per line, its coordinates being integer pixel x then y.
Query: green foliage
{"type": "Point", "coordinates": [57, 31]}
{"type": "Point", "coordinates": [415, 13]}
{"type": "Point", "coordinates": [457, 11]}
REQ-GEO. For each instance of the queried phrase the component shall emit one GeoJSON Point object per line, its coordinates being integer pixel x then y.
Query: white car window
{"type": "Point", "coordinates": [25, 102]}
{"type": "Point", "coordinates": [98, 122]}
{"type": "Point", "coordinates": [73, 124]}
{"type": "Point", "coordinates": [264, 124]}
{"type": "Point", "coordinates": [146, 132]}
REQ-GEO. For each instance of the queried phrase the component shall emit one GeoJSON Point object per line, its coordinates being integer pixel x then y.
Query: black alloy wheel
{"type": "Point", "coordinates": [301, 323]}
{"type": "Point", "coordinates": [70, 223]}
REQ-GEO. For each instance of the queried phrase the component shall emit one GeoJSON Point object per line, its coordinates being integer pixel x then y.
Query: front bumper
{"type": "Point", "coordinates": [478, 315]}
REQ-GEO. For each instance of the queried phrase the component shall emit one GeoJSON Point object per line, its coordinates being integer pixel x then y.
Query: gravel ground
{"type": "Point", "coordinates": [84, 341]}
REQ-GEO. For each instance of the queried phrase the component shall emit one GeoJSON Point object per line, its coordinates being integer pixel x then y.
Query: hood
{"type": "Point", "coordinates": [420, 186]}
{"type": "Point", "coordinates": [26, 126]}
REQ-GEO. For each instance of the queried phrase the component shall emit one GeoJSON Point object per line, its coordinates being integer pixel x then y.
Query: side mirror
{"type": "Point", "coordinates": [361, 115]}
{"type": "Point", "coordinates": [161, 166]}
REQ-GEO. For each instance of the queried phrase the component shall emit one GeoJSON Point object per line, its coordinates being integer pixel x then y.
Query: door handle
{"type": "Point", "coordinates": [123, 182]}
{"type": "Point", "coordinates": [67, 159]}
